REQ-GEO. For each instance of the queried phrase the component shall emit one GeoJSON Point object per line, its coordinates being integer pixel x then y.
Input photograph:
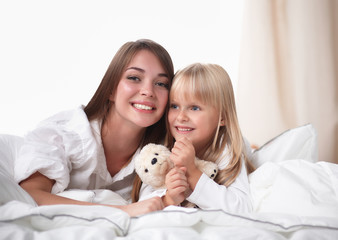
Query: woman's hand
{"type": "Point", "coordinates": [176, 183]}
{"type": "Point", "coordinates": [39, 187]}
{"type": "Point", "coordinates": [143, 207]}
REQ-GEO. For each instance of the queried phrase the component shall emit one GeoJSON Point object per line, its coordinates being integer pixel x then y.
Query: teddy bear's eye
{"type": "Point", "coordinates": [156, 154]}
{"type": "Point", "coordinates": [154, 161]}
{"type": "Point", "coordinates": [146, 170]}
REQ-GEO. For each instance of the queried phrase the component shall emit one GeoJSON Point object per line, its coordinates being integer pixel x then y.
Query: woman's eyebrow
{"type": "Point", "coordinates": [163, 75]}
{"type": "Point", "coordinates": [142, 70]}
{"type": "Point", "coordinates": [135, 68]}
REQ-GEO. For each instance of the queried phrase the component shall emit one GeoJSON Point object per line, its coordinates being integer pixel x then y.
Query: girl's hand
{"type": "Point", "coordinates": [143, 207]}
{"type": "Point", "coordinates": [183, 154]}
{"type": "Point", "coordinates": [176, 183]}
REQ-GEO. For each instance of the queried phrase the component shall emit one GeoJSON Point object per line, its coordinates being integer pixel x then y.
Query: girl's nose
{"type": "Point", "coordinates": [182, 117]}
{"type": "Point", "coordinates": [147, 90]}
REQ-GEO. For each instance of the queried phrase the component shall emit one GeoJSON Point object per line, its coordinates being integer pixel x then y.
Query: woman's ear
{"type": "Point", "coordinates": [111, 97]}
{"type": "Point", "coordinates": [222, 122]}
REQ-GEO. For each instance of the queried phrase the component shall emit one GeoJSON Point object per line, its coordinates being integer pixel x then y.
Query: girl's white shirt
{"type": "Point", "coordinates": [210, 195]}
{"type": "Point", "coordinates": [68, 148]}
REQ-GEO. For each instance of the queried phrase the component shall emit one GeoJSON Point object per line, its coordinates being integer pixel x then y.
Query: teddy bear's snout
{"type": "Point", "coordinates": [154, 161]}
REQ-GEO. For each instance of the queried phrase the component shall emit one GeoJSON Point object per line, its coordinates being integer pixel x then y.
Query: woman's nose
{"type": "Point", "coordinates": [147, 90]}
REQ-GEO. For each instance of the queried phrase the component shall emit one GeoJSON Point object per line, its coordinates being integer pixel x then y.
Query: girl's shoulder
{"type": "Point", "coordinates": [226, 156]}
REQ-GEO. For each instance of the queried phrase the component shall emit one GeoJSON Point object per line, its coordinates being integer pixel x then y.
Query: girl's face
{"type": "Point", "coordinates": [191, 118]}
{"type": "Point", "coordinates": [142, 93]}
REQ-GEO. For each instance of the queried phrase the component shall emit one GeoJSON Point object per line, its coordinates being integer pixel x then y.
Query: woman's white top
{"type": "Point", "coordinates": [68, 148]}
{"type": "Point", "coordinates": [210, 195]}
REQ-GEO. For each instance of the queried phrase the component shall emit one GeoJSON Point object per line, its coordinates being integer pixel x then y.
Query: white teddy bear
{"type": "Point", "coordinates": [153, 163]}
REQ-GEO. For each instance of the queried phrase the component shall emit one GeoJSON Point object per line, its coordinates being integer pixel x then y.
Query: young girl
{"type": "Point", "coordinates": [93, 146]}
{"type": "Point", "coordinates": [203, 122]}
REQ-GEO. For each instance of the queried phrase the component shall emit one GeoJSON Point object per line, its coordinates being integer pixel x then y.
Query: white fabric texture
{"type": "Point", "coordinates": [9, 189]}
{"type": "Point", "coordinates": [68, 148]}
{"type": "Point", "coordinates": [296, 143]}
{"type": "Point", "coordinates": [296, 187]}
{"type": "Point", "coordinates": [22, 222]}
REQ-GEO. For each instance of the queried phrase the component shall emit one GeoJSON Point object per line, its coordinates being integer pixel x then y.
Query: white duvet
{"type": "Point", "coordinates": [293, 198]}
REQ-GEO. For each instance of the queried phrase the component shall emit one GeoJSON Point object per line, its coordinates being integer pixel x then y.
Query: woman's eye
{"type": "Point", "coordinates": [133, 78]}
{"type": "Point", "coordinates": [162, 84]}
{"type": "Point", "coordinates": [173, 106]}
{"type": "Point", "coordinates": [195, 108]}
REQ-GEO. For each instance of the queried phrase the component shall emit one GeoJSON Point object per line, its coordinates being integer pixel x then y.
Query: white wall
{"type": "Point", "coordinates": [53, 54]}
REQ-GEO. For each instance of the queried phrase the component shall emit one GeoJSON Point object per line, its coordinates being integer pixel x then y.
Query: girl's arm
{"type": "Point", "coordinates": [39, 187]}
{"type": "Point", "coordinates": [235, 198]}
{"type": "Point", "coordinates": [208, 194]}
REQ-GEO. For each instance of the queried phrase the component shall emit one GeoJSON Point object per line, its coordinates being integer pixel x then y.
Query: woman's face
{"type": "Point", "coordinates": [142, 93]}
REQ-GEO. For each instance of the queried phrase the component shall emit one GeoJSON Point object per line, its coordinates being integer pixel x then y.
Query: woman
{"type": "Point", "coordinates": [93, 147]}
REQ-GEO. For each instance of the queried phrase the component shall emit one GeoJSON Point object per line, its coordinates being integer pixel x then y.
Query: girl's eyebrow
{"type": "Point", "coordinates": [143, 71]}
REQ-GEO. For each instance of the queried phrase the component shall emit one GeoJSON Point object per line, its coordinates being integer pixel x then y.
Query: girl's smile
{"type": "Point", "coordinates": [183, 130]}
{"type": "Point", "coordinates": [193, 119]}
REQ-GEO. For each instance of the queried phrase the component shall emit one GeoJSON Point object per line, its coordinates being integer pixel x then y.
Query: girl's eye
{"type": "Point", "coordinates": [133, 78]}
{"type": "Point", "coordinates": [162, 84]}
{"type": "Point", "coordinates": [195, 108]}
{"type": "Point", "coordinates": [173, 106]}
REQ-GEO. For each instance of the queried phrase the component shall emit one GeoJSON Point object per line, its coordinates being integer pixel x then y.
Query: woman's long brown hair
{"type": "Point", "coordinates": [100, 105]}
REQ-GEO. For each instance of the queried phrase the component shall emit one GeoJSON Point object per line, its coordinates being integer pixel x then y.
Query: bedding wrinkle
{"type": "Point", "coordinates": [298, 187]}
{"type": "Point", "coordinates": [292, 199]}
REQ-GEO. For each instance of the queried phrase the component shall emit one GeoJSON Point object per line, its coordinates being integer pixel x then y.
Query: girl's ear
{"type": "Point", "coordinates": [222, 122]}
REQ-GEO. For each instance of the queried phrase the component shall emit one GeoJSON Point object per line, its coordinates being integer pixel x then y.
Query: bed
{"type": "Point", "coordinates": [294, 196]}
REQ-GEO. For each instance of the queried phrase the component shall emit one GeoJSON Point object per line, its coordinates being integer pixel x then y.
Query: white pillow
{"type": "Point", "coordinates": [296, 143]}
{"type": "Point", "coordinates": [296, 187]}
{"type": "Point", "coordinates": [9, 189]}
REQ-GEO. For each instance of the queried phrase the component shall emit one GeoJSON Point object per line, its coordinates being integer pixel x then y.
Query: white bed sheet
{"type": "Point", "coordinates": [293, 196]}
{"type": "Point", "coordinates": [284, 208]}
{"type": "Point", "coordinates": [81, 222]}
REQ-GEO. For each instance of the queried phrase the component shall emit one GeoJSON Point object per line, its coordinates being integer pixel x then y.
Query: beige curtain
{"type": "Point", "coordinates": [289, 70]}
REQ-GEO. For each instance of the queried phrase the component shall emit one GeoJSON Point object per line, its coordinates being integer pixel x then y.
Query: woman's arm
{"type": "Point", "coordinates": [39, 187]}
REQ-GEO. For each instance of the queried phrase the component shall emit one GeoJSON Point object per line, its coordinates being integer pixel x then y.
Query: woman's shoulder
{"type": "Point", "coordinates": [67, 116]}
{"type": "Point", "coordinates": [69, 124]}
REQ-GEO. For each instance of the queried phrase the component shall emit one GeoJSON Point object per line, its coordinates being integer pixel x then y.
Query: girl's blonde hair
{"type": "Point", "coordinates": [211, 84]}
